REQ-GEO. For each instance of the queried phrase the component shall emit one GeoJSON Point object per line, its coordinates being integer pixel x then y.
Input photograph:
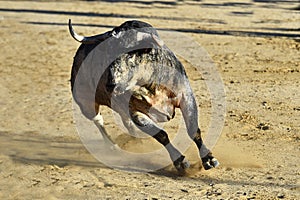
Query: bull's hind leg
{"type": "Point", "coordinates": [90, 110]}
{"type": "Point", "coordinates": [99, 122]}
{"type": "Point", "coordinates": [144, 123]}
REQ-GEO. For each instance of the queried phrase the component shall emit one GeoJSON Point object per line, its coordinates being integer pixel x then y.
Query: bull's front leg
{"type": "Point", "coordinates": [189, 110]}
{"type": "Point", "coordinates": [208, 161]}
{"type": "Point", "coordinates": [145, 124]}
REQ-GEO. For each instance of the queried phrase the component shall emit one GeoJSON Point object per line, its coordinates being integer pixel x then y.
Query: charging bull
{"type": "Point", "coordinates": [132, 71]}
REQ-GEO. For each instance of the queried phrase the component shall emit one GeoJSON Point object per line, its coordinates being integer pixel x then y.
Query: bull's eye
{"type": "Point", "coordinates": [115, 34]}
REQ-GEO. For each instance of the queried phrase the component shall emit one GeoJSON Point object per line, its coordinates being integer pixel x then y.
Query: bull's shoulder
{"type": "Point", "coordinates": [146, 66]}
{"type": "Point", "coordinates": [147, 58]}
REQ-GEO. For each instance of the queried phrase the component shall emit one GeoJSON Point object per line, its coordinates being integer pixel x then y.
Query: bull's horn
{"type": "Point", "coordinates": [87, 40]}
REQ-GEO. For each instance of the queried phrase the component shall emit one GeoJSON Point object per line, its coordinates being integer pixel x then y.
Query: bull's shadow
{"type": "Point", "coordinates": [35, 148]}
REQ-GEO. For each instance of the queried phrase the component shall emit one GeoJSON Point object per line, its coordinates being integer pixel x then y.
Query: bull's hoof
{"type": "Point", "coordinates": [181, 164]}
{"type": "Point", "coordinates": [210, 163]}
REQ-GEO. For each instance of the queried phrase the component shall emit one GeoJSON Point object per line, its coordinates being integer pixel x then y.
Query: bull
{"type": "Point", "coordinates": [141, 79]}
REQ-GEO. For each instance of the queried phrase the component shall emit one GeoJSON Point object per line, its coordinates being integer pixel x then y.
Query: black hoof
{"type": "Point", "coordinates": [181, 164]}
{"type": "Point", "coordinates": [209, 162]}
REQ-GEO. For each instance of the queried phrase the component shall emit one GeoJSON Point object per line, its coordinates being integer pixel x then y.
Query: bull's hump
{"type": "Point", "coordinates": [138, 26]}
{"type": "Point", "coordinates": [134, 24]}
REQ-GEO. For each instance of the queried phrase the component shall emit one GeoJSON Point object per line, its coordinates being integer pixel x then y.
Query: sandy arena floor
{"type": "Point", "coordinates": [255, 47]}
